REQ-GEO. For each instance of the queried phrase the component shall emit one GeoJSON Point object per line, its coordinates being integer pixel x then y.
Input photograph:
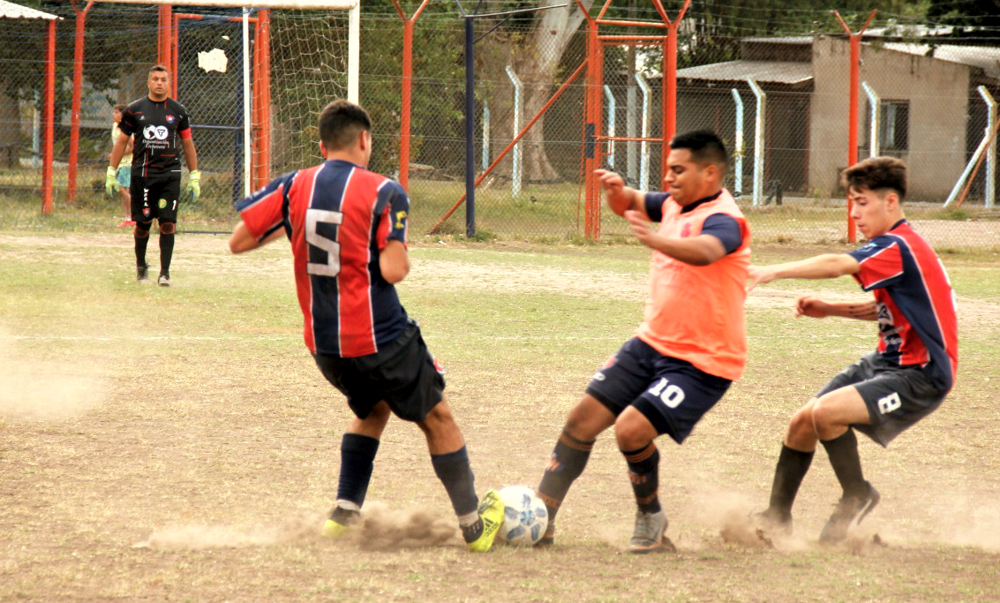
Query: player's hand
{"type": "Point", "coordinates": [810, 306]}
{"type": "Point", "coordinates": [111, 182]}
{"type": "Point", "coordinates": [614, 190]}
{"type": "Point", "coordinates": [758, 275]}
{"type": "Point", "coordinates": [640, 228]}
{"type": "Point", "coordinates": [194, 184]}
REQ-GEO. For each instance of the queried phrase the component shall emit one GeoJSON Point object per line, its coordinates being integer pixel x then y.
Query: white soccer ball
{"type": "Point", "coordinates": [524, 516]}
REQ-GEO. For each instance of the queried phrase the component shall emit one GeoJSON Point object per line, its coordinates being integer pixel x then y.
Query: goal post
{"type": "Point", "coordinates": [297, 30]}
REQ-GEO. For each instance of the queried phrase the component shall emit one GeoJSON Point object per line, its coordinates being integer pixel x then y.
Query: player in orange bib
{"type": "Point", "coordinates": [691, 344]}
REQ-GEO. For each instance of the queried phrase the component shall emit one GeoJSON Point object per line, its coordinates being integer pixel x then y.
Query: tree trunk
{"type": "Point", "coordinates": [537, 68]}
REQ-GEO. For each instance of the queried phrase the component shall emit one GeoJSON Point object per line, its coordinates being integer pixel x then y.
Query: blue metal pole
{"type": "Point", "coordinates": [470, 146]}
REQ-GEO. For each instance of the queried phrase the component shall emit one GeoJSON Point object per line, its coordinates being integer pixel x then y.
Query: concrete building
{"type": "Point", "coordinates": [930, 112]}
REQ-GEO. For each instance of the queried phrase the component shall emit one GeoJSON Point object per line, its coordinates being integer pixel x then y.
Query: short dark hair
{"type": "Point", "coordinates": [121, 108]}
{"type": "Point", "coordinates": [705, 146]}
{"type": "Point", "coordinates": [877, 174]}
{"type": "Point", "coordinates": [340, 124]}
{"type": "Point", "coordinates": [158, 67]}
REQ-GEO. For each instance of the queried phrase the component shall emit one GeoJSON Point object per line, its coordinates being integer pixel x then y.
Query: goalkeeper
{"type": "Point", "coordinates": [161, 128]}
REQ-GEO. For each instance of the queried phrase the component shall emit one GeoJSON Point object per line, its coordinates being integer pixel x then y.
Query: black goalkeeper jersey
{"type": "Point", "coordinates": [159, 128]}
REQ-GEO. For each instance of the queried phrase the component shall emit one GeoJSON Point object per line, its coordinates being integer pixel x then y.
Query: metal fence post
{"type": "Point", "coordinates": [991, 151]}
{"type": "Point", "coordinates": [515, 172]}
{"type": "Point", "coordinates": [611, 125]}
{"type": "Point", "coordinates": [873, 131]}
{"type": "Point", "coordinates": [738, 150]}
{"type": "Point", "coordinates": [760, 123]}
{"type": "Point", "coordinates": [644, 147]}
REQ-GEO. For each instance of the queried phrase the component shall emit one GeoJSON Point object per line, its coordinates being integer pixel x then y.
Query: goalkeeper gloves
{"type": "Point", "coordinates": [194, 184]}
{"type": "Point", "coordinates": [111, 182]}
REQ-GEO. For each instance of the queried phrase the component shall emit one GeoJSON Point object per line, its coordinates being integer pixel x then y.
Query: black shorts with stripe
{"type": "Point", "coordinates": [896, 396]}
{"type": "Point", "coordinates": [403, 373]}
{"type": "Point", "coordinates": [155, 196]}
{"type": "Point", "coordinates": [671, 393]}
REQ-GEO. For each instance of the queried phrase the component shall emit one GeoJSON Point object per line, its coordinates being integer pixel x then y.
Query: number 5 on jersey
{"type": "Point", "coordinates": [315, 217]}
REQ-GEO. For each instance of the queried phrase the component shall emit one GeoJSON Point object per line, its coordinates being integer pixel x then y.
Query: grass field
{"type": "Point", "coordinates": [179, 444]}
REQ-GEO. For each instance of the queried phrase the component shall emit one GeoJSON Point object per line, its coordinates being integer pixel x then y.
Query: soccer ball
{"type": "Point", "coordinates": [524, 516]}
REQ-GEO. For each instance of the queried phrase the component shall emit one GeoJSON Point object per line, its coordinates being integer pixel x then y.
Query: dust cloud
{"type": "Point", "coordinates": [380, 529]}
{"type": "Point", "coordinates": [48, 390]}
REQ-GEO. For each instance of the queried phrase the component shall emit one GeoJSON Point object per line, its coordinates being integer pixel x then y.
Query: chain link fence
{"type": "Point", "coordinates": [930, 108]}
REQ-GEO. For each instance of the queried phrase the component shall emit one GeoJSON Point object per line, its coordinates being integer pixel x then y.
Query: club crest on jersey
{"type": "Point", "coordinates": [170, 119]}
{"type": "Point", "coordinates": [146, 211]}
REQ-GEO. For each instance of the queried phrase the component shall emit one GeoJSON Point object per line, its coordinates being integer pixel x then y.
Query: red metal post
{"type": "Point", "coordinates": [407, 86]}
{"type": "Point", "coordinates": [852, 118]}
{"type": "Point", "coordinates": [669, 84]}
{"type": "Point", "coordinates": [262, 95]}
{"type": "Point", "coordinates": [74, 132]}
{"type": "Point", "coordinates": [174, 52]}
{"type": "Point", "coordinates": [49, 119]}
{"type": "Point", "coordinates": [404, 126]}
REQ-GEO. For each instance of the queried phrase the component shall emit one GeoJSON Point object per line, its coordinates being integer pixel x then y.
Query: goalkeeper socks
{"type": "Point", "coordinates": [141, 241]}
{"type": "Point", "coordinates": [357, 459]}
{"type": "Point", "coordinates": [455, 473]}
{"type": "Point", "coordinates": [644, 473]}
{"type": "Point", "coordinates": [792, 467]}
{"type": "Point", "coordinates": [166, 252]}
{"type": "Point", "coordinates": [843, 453]}
{"type": "Point", "coordinates": [569, 458]}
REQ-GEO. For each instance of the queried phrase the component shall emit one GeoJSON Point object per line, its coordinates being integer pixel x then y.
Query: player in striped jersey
{"type": "Point", "coordinates": [347, 228]}
{"type": "Point", "coordinates": [905, 379]}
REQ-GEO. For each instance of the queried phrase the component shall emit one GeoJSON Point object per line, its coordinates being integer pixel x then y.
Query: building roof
{"type": "Point", "coordinates": [986, 58]}
{"type": "Point", "coordinates": [774, 72]}
{"type": "Point", "coordinates": [9, 10]}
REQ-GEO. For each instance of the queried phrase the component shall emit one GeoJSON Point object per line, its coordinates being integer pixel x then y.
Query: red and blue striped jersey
{"type": "Point", "coordinates": [916, 305]}
{"type": "Point", "coordinates": [338, 217]}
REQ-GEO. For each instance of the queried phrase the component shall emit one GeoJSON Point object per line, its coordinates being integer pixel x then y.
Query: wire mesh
{"type": "Point", "coordinates": [928, 109]}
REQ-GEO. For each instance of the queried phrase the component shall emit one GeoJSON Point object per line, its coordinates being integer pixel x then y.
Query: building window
{"type": "Point", "coordinates": [893, 127]}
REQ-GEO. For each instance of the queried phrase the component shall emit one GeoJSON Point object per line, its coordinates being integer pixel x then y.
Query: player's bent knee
{"type": "Point", "coordinates": [802, 422]}
{"type": "Point", "coordinates": [168, 228]}
{"type": "Point", "coordinates": [633, 430]}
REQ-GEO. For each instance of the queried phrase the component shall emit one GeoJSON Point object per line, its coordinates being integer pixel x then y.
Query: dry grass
{"type": "Point", "coordinates": [179, 445]}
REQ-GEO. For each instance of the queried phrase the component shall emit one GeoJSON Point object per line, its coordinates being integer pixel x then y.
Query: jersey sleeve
{"type": "Point", "coordinates": [183, 124]}
{"type": "Point", "coordinates": [726, 229]}
{"type": "Point", "coordinates": [263, 212]}
{"type": "Point", "coordinates": [128, 124]}
{"type": "Point", "coordinates": [394, 218]}
{"type": "Point", "coordinates": [654, 205]}
{"type": "Point", "coordinates": [881, 263]}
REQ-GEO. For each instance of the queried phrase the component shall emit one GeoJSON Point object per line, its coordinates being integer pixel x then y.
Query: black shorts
{"type": "Point", "coordinates": [896, 396]}
{"type": "Point", "coordinates": [155, 197]}
{"type": "Point", "coordinates": [403, 373]}
{"type": "Point", "coordinates": [671, 393]}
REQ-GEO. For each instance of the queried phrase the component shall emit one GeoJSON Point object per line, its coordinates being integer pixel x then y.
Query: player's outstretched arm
{"type": "Point", "coordinates": [241, 240]}
{"type": "Point", "coordinates": [814, 307]}
{"type": "Point", "coordinates": [394, 262]}
{"type": "Point", "coordinates": [620, 198]}
{"type": "Point", "coordinates": [829, 265]}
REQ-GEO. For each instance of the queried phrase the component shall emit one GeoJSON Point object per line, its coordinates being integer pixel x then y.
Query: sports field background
{"type": "Point", "coordinates": [179, 444]}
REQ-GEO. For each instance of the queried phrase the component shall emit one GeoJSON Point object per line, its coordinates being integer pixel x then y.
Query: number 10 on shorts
{"type": "Point", "coordinates": [671, 395]}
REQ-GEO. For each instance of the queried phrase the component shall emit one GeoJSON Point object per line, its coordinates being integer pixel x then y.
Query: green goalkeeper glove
{"type": "Point", "coordinates": [111, 182]}
{"type": "Point", "coordinates": [194, 184]}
